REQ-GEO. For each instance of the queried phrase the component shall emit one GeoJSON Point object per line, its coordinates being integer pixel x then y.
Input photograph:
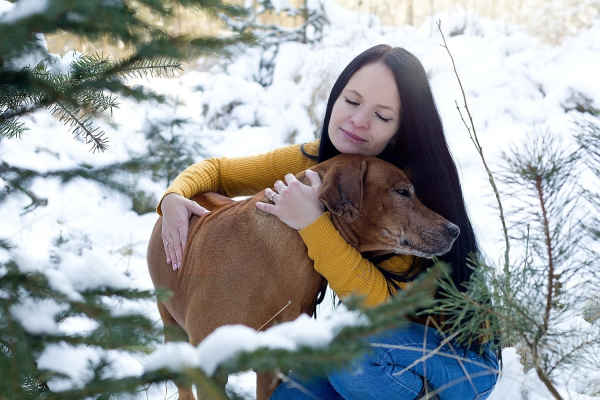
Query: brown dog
{"type": "Point", "coordinates": [242, 265]}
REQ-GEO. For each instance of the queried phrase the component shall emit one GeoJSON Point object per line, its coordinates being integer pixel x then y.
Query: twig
{"type": "Point", "coordinates": [542, 374]}
{"type": "Point", "coordinates": [294, 384]}
{"type": "Point", "coordinates": [278, 312]}
{"type": "Point", "coordinates": [473, 136]}
{"type": "Point", "coordinates": [538, 185]}
{"type": "Point", "coordinates": [574, 350]}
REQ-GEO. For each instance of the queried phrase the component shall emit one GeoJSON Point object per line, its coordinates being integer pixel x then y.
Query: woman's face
{"type": "Point", "coordinates": [366, 115]}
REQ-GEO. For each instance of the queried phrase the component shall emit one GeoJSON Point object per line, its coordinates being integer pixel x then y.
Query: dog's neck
{"type": "Point", "coordinates": [376, 253]}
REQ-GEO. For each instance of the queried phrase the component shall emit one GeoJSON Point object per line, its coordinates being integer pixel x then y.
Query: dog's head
{"type": "Point", "coordinates": [374, 206]}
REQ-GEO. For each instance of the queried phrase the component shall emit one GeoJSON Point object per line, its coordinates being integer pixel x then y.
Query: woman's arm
{"type": "Point", "coordinates": [241, 176]}
{"type": "Point", "coordinates": [231, 177]}
{"type": "Point", "coordinates": [348, 273]}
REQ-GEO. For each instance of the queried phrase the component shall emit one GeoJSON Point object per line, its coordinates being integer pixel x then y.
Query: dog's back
{"type": "Point", "coordinates": [236, 269]}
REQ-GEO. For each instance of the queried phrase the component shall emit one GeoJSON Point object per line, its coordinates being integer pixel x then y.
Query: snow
{"type": "Point", "coordinates": [37, 316]}
{"type": "Point", "coordinates": [226, 341]}
{"type": "Point", "coordinates": [21, 9]}
{"type": "Point", "coordinates": [514, 84]}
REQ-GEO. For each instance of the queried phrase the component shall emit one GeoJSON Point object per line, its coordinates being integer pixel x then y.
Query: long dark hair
{"type": "Point", "coordinates": [418, 147]}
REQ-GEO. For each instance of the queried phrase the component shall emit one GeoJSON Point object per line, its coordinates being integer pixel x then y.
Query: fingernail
{"type": "Point", "coordinates": [168, 260]}
{"type": "Point", "coordinates": [174, 267]}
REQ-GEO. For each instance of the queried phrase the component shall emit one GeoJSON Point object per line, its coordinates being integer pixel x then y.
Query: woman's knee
{"type": "Point", "coordinates": [297, 388]}
{"type": "Point", "coordinates": [375, 376]}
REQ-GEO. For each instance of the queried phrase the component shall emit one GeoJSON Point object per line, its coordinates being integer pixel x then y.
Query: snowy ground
{"type": "Point", "coordinates": [514, 85]}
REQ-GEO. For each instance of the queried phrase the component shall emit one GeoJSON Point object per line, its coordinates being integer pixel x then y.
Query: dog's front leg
{"type": "Point", "coordinates": [265, 385]}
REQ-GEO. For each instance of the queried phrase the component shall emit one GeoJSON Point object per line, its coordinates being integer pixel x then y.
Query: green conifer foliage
{"type": "Point", "coordinates": [551, 216]}
{"type": "Point", "coordinates": [93, 82]}
{"type": "Point", "coordinates": [545, 300]}
{"type": "Point", "coordinates": [88, 86]}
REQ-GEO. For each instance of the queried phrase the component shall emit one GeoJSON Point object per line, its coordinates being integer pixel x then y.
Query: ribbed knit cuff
{"type": "Point", "coordinates": [317, 235]}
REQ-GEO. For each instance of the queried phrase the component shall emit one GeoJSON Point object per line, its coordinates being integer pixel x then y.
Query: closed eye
{"type": "Point", "coordinates": [353, 103]}
{"type": "Point", "coordinates": [403, 192]}
{"type": "Point", "coordinates": [382, 118]}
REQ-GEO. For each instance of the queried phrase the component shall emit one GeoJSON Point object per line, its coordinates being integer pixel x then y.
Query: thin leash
{"type": "Point", "coordinates": [284, 307]}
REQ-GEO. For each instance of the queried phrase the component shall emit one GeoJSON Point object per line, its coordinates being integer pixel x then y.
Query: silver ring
{"type": "Point", "coordinates": [166, 243]}
{"type": "Point", "coordinates": [273, 196]}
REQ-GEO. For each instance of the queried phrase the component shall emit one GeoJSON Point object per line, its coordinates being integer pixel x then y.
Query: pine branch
{"type": "Point", "coordinates": [551, 276]}
{"type": "Point", "coordinates": [97, 101]}
{"type": "Point", "coordinates": [541, 373]}
{"type": "Point", "coordinates": [573, 351]}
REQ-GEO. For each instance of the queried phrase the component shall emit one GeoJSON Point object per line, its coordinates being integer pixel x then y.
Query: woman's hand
{"type": "Point", "coordinates": [177, 211]}
{"type": "Point", "coordinates": [296, 204]}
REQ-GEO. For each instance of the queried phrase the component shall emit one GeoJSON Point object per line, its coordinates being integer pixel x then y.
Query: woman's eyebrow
{"type": "Point", "coordinates": [377, 105]}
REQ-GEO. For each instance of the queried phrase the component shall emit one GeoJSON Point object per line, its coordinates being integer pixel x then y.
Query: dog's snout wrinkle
{"type": "Point", "coordinates": [453, 230]}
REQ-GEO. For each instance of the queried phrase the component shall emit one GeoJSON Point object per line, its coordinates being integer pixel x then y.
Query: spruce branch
{"type": "Point", "coordinates": [475, 140]}
{"type": "Point", "coordinates": [141, 68]}
{"type": "Point", "coordinates": [95, 80]}
{"type": "Point", "coordinates": [81, 125]}
{"type": "Point", "coordinates": [12, 128]}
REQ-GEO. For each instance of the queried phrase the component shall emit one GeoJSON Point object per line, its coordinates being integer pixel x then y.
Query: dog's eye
{"type": "Point", "coordinates": [403, 192]}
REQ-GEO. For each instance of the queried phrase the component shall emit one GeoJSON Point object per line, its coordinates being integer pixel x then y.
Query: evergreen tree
{"type": "Point", "coordinates": [93, 82]}
{"type": "Point", "coordinates": [310, 30]}
{"type": "Point", "coordinates": [551, 223]}
{"type": "Point", "coordinates": [78, 88]}
{"type": "Point", "coordinates": [556, 277]}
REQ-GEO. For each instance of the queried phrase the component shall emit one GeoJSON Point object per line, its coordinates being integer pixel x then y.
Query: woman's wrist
{"type": "Point", "coordinates": [168, 197]}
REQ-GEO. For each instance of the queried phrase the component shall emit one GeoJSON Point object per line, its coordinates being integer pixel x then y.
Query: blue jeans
{"type": "Point", "coordinates": [395, 367]}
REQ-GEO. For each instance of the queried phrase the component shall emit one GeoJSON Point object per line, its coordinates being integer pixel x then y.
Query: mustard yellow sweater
{"type": "Point", "coordinates": [342, 265]}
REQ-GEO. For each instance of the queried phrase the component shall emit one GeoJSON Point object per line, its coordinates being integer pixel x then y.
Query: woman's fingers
{"type": "Point", "coordinates": [290, 179]}
{"type": "Point", "coordinates": [177, 211]}
{"type": "Point", "coordinates": [270, 194]}
{"type": "Point", "coordinates": [295, 204]}
{"type": "Point", "coordinates": [279, 186]}
{"type": "Point", "coordinates": [195, 208]}
{"type": "Point", "coordinates": [174, 227]}
{"type": "Point", "coordinates": [314, 179]}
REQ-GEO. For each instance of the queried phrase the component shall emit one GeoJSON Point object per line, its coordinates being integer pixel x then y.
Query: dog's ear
{"type": "Point", "coordinates": [342, 189]}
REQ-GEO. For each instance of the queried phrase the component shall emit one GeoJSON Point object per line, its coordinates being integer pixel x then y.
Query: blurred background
{"type": "Point", "coordinates": [549, 20]}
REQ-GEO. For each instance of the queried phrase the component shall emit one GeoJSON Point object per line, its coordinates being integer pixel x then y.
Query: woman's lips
{"type": "Point", "coordinates": [352, 137]}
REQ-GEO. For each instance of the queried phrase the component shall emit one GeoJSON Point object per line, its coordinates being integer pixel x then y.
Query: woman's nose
{"type": "Point", "coordinates": [360, 118]}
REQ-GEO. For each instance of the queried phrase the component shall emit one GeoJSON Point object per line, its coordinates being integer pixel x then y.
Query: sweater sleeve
{"type": "Point", "coordinates": [347, 272]}
{"type": "Point", "coordinates": [242, 176]}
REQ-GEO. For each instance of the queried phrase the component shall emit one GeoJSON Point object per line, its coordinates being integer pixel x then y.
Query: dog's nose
{"type": "Point", "coordinates": [453, 230]}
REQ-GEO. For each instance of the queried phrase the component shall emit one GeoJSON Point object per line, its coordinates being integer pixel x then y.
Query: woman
{"type": "Point", "coordinates": [381, 105]}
